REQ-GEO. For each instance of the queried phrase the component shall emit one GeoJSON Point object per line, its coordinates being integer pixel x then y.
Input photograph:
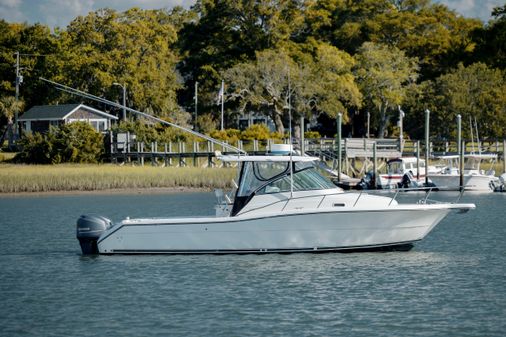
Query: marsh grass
{"type": "Point", "coordinates": [5, 156]}
{"type": "Point", "coordinates": [47, 178]}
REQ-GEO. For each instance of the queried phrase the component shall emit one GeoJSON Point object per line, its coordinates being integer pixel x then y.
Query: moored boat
{"type": "Point", "coordinates": [447, 178]}
{"type": "Point", "coordinates": [281, 204]}
{"type": "Point", "coordinates": [403, 172]}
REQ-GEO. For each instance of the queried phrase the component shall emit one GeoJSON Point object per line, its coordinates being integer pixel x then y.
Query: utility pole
{"type": "Point", "coordinates": [427, 145]}
{"type": "Point", "coordinates": [19, 80]}
{"type": "Point", "coordinates": [401, 129]}
{"type": "Point", "coordinates": [222, 92]}
{"type": "Point", "coordinates": [339, 154]}
{"type": "Point", "coordinates": [368, 122]}
{"type": "Point", "coordinates": [123, 86]}
{"type": "Point", "coordinates": [459, 133]}
{"type": "Point", "coordinates": [196, 104]}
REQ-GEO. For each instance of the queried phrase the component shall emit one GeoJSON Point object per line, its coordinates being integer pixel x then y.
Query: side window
{"type": "Point", "coordinates": [268, 170]}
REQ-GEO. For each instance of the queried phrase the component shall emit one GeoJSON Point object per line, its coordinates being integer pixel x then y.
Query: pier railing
{"type": "Point", "coordinates": [124, 147]}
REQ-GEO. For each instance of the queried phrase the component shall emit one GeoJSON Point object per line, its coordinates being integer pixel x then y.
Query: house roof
{"type": "Point", "coordinates": [58, 112]}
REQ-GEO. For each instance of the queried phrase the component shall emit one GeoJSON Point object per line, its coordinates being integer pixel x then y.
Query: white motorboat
{"type": "Point", "coordinates": [402, 172]}
{"type": "Point", "coordinates": [281, 204]}
{"type": "Point", "coordinates": [447, 176]}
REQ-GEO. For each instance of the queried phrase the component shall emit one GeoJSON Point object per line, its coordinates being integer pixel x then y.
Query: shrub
{"type": "Point", "coordinates": [76, 142]}
{"type": "Point", "coordinates": [206, 123]}
{"type": "Point", "coordinates": [278, 135]}
{"type": "Point", "coordinates": [229, 135]}
{"type": "Point", "coordinates": [256, 131]}
{"type": "Point", "coordinates": [157, 132]}
{"type": "Point", "coordinates": [312, 134]}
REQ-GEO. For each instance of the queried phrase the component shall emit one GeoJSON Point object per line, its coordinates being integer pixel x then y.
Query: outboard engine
{"type": "Point", "coordinates": [407, 180]}
{"type": "Point", "coordinates": [502, 179]}
{"type": "Point", "coordinates": [500, 185]}
{"type": "Point", "coordinates": [367, 182]}
{"type": "Point", "coordinates": [89, 228]}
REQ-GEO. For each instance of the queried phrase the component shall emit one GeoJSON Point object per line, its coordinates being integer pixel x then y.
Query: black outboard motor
{"type": "Point", "coordinates": [89, 229]}
{"type": "Point", "coordinates": [406, 181]}
{"type": "Point", "coordinates": [367, 182]}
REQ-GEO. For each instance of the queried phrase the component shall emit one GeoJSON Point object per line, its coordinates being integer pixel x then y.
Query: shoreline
{"type": "Point", "coordinates": [115, 191]}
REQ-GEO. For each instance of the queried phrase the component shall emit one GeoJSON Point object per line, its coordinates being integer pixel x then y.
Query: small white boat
{"type": "Point", "coordinates": [500, 185]}
{"type": "Point", "coordinates": [281, 204]}
{"type": "Point", "coordinates": [447, 176]}
{"type": "Point", "coordinates": [403, 172]}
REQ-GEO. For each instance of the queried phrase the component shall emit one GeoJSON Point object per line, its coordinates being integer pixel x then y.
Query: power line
{"type": "Point", "coordinates": [77, 92]}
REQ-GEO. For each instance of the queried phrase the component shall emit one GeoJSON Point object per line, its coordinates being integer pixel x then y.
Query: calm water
{"type": "Point", "coordinates": [451, 284]}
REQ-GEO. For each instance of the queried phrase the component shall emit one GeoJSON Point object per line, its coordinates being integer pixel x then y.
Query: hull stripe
{"type": "Point", "coordinates": [400, 246]}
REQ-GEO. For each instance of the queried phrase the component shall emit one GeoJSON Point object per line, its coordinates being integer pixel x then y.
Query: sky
{"type": "Point", "coordinates": [59, 13]}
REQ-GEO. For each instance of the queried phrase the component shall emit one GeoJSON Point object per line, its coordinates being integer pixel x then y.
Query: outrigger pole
{"type": "Point", "coordinates": [80, 93]}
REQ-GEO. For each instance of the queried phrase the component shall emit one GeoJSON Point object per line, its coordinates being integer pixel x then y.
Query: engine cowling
{"type": "Point", "coordinates": [89, 228]}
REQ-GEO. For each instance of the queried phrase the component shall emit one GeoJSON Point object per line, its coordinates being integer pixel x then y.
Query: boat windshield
{"type": "Point", "coordinates": [274, 177]}
{"type": "Point", "coordinates": [395, 167]}
{"type": "Point", "coordinates": [472, 163]}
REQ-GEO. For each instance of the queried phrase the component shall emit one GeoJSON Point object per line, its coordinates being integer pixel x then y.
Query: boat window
{"type": "Point", "coordinates": [265, 170]}
{"type": "Point", "coordinates": [472, 163]}
{"type": "Point", "coordinates": [303, 180]}
{"type": "Point", "coordinates": [256, 174]}
{"type": "Point", "coordinates": [395, 167]}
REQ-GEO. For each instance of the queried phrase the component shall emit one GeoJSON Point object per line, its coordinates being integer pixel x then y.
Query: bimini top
{"type": "Point", "coordinates": [236, 158]}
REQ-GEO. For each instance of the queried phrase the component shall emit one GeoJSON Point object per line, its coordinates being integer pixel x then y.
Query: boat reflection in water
{"type": "Point", "coordinates": [280, 204]}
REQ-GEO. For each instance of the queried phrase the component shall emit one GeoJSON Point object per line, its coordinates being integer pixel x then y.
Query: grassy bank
{"type": "Point", "coordinates": [48, 178]}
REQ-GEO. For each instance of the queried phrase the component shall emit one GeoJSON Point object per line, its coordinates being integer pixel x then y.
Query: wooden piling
{"type": "Point", "coordinates": [427, 144]}
{"type": "Point", "coordinates": [418, 161]}
{"type": "Point", "coordinates": [461, 167]}
{"type": "Point", "coordinates": [339, 154]}
{"type": "Point", "coordinates": [504, 156]}
{"type": "Point", "coordinates": [375, 165]}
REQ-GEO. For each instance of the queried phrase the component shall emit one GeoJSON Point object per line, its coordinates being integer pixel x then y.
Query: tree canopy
{"type": "Point", "coordinates": [383, 74]}
{"type": "Point", "coordinates": [340, 56]}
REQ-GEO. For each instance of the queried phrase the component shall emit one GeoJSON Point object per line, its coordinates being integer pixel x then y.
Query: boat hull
{"type": "Point", "coordinates": [276, 233]}
{"type": "Point", "coordinates": [477, 183]}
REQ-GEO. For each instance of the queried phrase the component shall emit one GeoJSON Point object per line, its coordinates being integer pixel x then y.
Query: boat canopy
{"type": "Point", "coordinates": [236, 158]}
{"type": "Point", "coordinates": [273, 177]}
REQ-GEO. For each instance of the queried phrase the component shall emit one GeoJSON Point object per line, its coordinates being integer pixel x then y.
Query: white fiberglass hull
{"type": "Point", "coordinates": [451, 182]}
{"type": "Point", "coordinates": [293, 231]}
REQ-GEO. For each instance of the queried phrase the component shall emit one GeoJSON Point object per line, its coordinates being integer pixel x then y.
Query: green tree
{"type": "Point", "coordinates": [76, 142]}
{"type": "Point", "coordinates": [8, 109]}
{"type": "Point", "coordinates": [228, 32]}
{"type": "Point", "coordinates": [383, 74]}
{"type": "Point", "coordinates": [476, 91]}
{"type": "Point", "coordinates": [437, 36]}
{"type": "Point", "coordinates": [341, 22]}
{"type": "Point", "coordinates": [133, 48]}
{"type": "Point", "coordinates": [36, 44]}
{"type": "Point", "coordinates": [491, 40]}
{"type": "Point", "coordinates": [432, 32]}
{"type": "Point", "coordinates": [320, 82]}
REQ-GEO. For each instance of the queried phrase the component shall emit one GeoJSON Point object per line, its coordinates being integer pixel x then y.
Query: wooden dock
{"type": "Point", "coordinates": [357, 153]}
